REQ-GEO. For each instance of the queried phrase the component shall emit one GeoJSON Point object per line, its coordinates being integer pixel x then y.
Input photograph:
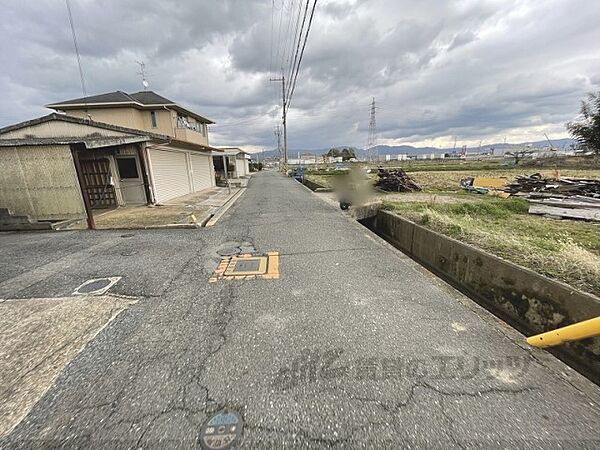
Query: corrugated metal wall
{"type": "Point", "coordinates": [40, 181]}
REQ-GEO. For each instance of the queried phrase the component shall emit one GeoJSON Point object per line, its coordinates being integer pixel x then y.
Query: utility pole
{"type": "Point", "coordinates": [278, 135]}
{"type": "Point", "coordinates": [372, 139]}
{"type": "Point", "coordinates": [284, 119]}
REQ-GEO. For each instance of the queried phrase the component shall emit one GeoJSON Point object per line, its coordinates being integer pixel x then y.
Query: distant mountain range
{"type": "Point", "coordinates": [411, 150]}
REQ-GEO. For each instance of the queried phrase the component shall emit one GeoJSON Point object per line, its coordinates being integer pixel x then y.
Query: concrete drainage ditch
{"type": "Point", "coordinates": [528, 301]}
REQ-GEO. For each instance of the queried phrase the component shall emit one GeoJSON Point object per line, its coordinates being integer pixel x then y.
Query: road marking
{"type": "Point", "coordinates": [247, 267]}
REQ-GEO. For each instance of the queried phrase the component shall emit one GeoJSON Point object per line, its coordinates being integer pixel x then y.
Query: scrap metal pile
{"type": "Point", "coordinates": [395, 180]}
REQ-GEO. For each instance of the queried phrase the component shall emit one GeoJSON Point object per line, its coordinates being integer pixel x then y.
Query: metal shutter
{"type": "Point", "coordinates": [170, 173]}
{"type": "Point", "coordinates": [201, 172]}
{"type": "Point", "coordinates": [240, 167]}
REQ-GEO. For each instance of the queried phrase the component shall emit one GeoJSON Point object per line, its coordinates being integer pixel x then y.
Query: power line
{"type": "Point", "coordinates": [272, 26]}
{"type": "Point", "coordinates": [312, 13]}
{"type": "Point", "coordinates": [288, 34]}
{"type": "Point", "coordinates": [241, 122]}
{"type": "Point", "coordinates": [298, 42]}
{"type": "Point", "coordinates": [279, 33]}
{"type": "Point", "coordinates": [81, 77]}
{"type": "Point", "coordinates": [296, 38]}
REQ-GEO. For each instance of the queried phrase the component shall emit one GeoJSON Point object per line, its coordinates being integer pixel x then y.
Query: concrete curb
{"type": "Point", "coordinates": [169, 226]}
{"type": "Point", "coordinates": [223, 209]}
{"type": "Point", "coordinates": [528, 301]}
{"type": "Point", "coordinates": [316, 186]}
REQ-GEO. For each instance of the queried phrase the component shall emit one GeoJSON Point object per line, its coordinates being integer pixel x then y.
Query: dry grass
{"type": "Point", "coordinates": [565, 250]}
{"type": "Point", "coordinates": [143, 216]}
{"type": "Point", "coordinates": [448, 181]}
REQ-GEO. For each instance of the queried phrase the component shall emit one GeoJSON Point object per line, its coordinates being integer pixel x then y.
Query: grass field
{"type": "Point", "coordinates": [565, 250]}
{"type": "Point", "coordinates": [432, 181]}
{"type": "Point", "coordinates": [448, 180]}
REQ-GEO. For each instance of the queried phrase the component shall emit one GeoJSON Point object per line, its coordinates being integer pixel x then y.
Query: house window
{"type": "Point", "coordinates": [127, 168]}
{"type": "Point", "coordinates": [153, 119]}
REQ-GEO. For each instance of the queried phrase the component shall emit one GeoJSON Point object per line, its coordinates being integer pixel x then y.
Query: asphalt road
{"type": "Point", "coordinates": [354, 346]}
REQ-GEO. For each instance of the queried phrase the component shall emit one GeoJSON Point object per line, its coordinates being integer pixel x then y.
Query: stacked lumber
{"type": "Point", "coordinates": [561, 186]}
{"type": "Point", "coordinates": [574, 198]}
{"type": "Point", "coordinates": [395, 180]}
{"type": "Point", "coordinates": [575, 207]}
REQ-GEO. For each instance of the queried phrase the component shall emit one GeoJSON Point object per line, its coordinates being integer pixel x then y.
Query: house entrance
{"type": "Point", "coordinates": [100, 190]}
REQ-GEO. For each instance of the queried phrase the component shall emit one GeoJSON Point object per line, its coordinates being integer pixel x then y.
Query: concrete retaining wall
{"type": "Point", "coordinates": [315, 186]}
{"type": "Point", "coordinates": [529, 301]}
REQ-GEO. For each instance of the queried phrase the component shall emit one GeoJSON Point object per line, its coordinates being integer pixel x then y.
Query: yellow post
{"type": "Point", "coordinates": [580, 330]}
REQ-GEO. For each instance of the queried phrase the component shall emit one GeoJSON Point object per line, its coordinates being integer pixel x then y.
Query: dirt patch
{"type": "Point", "coordinates": [38, 338]}
{"type": "Point", "coordinates": [431, 199]}
{"type": "Point", "coordinates": [144, 216]}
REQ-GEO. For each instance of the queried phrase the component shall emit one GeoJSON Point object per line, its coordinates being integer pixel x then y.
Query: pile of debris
{"type": "Point", "coordinates": [395, 180]}
{"type": "Point", "coordinates": [562, 186]}
{"type": "Point", "coordinates": [577, 198]}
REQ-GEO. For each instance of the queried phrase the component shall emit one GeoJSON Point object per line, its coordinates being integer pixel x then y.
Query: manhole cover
{"type": "Point", "coordinates": [92, 286]}
{"type": "Point", "coordinates": [221, 431]}
{"type": "Point", "coordinates": [97, 286]}
{"type": "Point", "coordinates": [244, 266]}
{"type": "Point", "coordinates": [228, 251]}
{"type": "Point", "coordinates": [247, 267]}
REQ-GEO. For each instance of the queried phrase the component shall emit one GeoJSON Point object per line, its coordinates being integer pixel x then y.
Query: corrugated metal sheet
{"type": "Point", "coordinates": [41, 182]}
{"type": "Point", "coordinates": [201, 171]}
{"type": "Point", "coordinates": [170, 172]}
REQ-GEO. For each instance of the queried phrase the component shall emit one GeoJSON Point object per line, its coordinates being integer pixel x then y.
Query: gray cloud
{"type": "Point", "coordinates": [473, 69]}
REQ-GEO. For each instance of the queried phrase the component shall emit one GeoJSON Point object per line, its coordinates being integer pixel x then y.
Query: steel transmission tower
{"type": "Point", "coordinates": [372, 139]}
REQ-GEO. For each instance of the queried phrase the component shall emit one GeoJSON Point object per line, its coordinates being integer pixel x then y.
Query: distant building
{"type": "Point", "coordinates": [237, 160]}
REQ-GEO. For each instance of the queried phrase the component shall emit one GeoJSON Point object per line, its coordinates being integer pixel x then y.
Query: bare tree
{"type": "Point", "coordinates": [520, 154]}
{"type": "Point", "coordinates": [586, 130]}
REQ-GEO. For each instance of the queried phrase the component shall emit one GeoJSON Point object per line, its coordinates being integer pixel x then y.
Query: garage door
{"type": "Point", "coordinates": [201, 172]}
{"type": "Point", "coordinates": [240, 167]}
{"type": "Point", "coordinates": [170, 173]}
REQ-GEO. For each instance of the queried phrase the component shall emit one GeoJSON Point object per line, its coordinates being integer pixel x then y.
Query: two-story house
{"type": "Point", "coordinates": [104, 151]}
{"type": "Point", "coordinates": [180, 167]}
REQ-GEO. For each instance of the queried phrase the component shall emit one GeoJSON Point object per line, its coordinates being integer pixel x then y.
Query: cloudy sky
{"type": "Point", "coordinates": [439, 69]}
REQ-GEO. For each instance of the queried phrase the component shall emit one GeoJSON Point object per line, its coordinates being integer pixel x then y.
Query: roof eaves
{"type": "Point", "coordinates": [71, 119]}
